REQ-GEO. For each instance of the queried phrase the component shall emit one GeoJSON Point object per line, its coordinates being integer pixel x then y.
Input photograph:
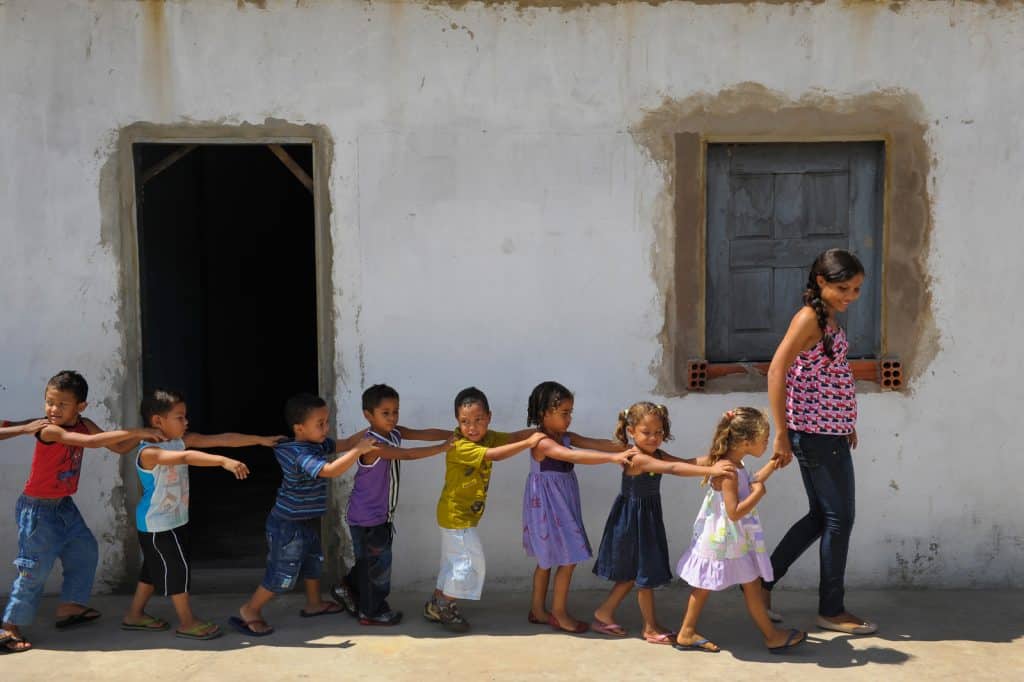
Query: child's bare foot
{"type": "Point", "coordinates": [781, 640]}
{"type": "Point", "coordinates": [658, 634]}
{"type": "Point", "coordinates": [604, 623]}
{"type": "Point", "coordinates": [539, 617]}
{"type": "Point", "coordinates": [144, 621]}
{"type": "Point", "coordinates": [567, 623]}
{"type": "Point", "coordinates": [253, 621]}
{"type": "Point", "coordinates": [695, 641]}
{"type": "Point", "coordinates": [12, 641]}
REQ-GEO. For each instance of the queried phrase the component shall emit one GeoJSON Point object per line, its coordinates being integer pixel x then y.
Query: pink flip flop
{"type": "Point", "coordinates": [610, 629]}
{"type": "Point", "coordinates": [663, 638]}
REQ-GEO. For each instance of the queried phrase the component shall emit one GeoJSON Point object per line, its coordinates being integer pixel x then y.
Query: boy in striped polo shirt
{"type": "Point", "coordinates": [293, 525]}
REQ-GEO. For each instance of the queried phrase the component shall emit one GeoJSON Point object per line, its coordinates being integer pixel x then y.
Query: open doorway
{"type": "Point", "coordinates": [228, 284]}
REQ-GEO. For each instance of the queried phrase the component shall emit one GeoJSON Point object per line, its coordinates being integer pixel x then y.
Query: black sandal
{"type": "Point", "coordinates": [86, 616]}
{"type": "Point", "coordinates": [9, 644]}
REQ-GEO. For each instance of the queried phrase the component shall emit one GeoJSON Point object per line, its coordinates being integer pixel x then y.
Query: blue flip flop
{"type": "Point", "coordinates": [243, 626]}
{"type": "Point", "coordinates": [793, 632]}
{"type": "Point", "coordinates": [695, 646]}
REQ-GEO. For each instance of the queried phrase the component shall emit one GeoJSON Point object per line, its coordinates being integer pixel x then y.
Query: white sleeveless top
{"type": "Point", "coordinates": [164, 502]}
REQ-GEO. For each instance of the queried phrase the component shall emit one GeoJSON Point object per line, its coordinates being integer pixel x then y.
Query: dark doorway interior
{"type": "Point", "coordinates": [228, 297]}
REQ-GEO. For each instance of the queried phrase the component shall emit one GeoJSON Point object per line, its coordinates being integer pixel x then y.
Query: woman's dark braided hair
{"type": "Point", "coordinates": [545, 396]}
{"type": "Point", "coordinates": [834, 265]}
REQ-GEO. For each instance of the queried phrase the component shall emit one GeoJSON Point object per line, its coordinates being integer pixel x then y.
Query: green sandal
{"type": "Point", "coordinates": [147, 624]}
{"type": "Point", "coordinates": [205, 630]}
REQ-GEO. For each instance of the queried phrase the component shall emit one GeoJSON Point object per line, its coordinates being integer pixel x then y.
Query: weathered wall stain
{"type": "Point", "coordinates": [675, 134]}
{"type": "Point", "coordinates": [571, 5]}
{"type": "Point", "coordinates": [156, 61]}
{"type": "Point", "coordinates": [915, 561]}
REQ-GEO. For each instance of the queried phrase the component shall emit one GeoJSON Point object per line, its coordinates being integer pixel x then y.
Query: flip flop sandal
{"type": "Point", "coordinates": [147, 624]}
{"type": "Point", "coordinates": [663, 638]}
{"type": "Point", "coordinates": [580, 628]}
{"type": "Point", "coordinates": [87, 616]}
{"type": "Point", "coordinates": [243, 626]}
{"type": "Point", "coordinates": [534, 619]}
{"type": "Point", "coordinates": [610, 629]}
{"type": "Point", "coordinates": [865, 628]}
{"type": "Point", "coordinates": [789, 642]}
{"type": "Point", "coordinates": [331, 609]}
{"type": "Point", "coordinates": [202, 631]}
{"type": "Point", "coordinates": [696, 646]}
{"type": "Point", "coordinates": [7, 642]}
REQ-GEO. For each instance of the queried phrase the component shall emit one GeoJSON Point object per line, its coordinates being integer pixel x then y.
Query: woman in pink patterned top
{"type": "Point", "coordinates": [814, 405]}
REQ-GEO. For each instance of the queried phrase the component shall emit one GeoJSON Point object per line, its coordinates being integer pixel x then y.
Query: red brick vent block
{"type": "Point", "coordinates": [890, 374]}
{"type": "Point", "coordinates": [696, 375]}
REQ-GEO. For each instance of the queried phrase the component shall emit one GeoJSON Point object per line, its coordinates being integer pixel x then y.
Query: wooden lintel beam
{"type": "Point", "coordinates": [291, 165]}
{"type": "Point", "coordinates": [167, 162]}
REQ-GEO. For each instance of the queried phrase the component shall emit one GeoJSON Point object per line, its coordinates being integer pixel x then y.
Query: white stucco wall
{"type": "Point", "coordinates": [485, 153]}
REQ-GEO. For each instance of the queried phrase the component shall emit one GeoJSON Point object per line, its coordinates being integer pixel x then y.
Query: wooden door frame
{"type": "Point", "coordinates": [128, 180]}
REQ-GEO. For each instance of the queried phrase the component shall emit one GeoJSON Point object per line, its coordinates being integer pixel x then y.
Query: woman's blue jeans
{"type": "Point", "coordinates": [827, 471]}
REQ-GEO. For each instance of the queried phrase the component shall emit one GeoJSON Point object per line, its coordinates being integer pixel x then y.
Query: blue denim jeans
{"type": "Point", "coordinates": [293, 550]}
{"type": "Point", "coordinates": [827, 471]}
{"type": "Point", "coordinates": [49, 530]}
{"type": "Point", "coordinates": [370, 577]}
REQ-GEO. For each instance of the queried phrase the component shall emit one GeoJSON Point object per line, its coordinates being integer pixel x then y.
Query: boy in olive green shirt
{"type": "Point", "coordinates": [468, 464]}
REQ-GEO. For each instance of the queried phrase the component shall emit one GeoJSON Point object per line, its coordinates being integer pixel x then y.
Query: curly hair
{"type": "Point", "coordinates": [635, 414]}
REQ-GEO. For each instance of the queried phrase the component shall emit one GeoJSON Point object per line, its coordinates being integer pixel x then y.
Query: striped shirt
{"type": "Point", "coordinates": [303, 494]}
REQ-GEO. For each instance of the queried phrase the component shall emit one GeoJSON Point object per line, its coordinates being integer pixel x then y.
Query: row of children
{"type": "Point", "coordinates": [813, 403]}
{"type": "Point", "coordinates": [634, 549]}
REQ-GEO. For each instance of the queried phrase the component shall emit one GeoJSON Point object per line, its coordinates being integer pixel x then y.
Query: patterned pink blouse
{"type": "Point", "coordinates": [821, 395]}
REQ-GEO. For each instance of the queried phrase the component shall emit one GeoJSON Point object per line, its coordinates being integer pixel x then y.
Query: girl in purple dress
{"type": "Point", "coordinates": [553, 529]}
{"type": "Point", "coordinates": [728, 542]}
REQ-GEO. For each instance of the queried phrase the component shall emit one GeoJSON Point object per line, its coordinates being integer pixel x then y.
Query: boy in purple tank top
{"type": "Point", "coordinates": [371, 506]}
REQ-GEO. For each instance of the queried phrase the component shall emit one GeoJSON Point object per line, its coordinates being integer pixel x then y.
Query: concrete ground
{"type": "Point", "coordinates": [931, 635]}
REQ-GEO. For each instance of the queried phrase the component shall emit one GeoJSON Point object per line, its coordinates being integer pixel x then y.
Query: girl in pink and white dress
{"type": "Point", "coordinates": [728, 542]}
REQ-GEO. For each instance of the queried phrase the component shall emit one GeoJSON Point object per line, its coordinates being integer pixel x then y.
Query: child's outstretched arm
{"type": "Point", "coordinates": [425, 434]}
{"type": "Point", "coordinates": [549, 448]}
{"type": "Point", "coordinates": [600, 444]}
{"type": "Point", "coordinates": [97, 438]}
{"type": "Point", "coordinates": [343, 444]}
{"type": "Point", "coordinates": [384, 452]}
{"type": "Point", "coordinates": [736, 508]}
{"type": "Point", "coordinates": [153, 456]}
{"type": "Point", "coordinates": [675, 466]}
{"type": "Point", "coordinates": [26, 427]}
{"type": "Point", "coordinates": [342, 463]}
{"type": "Point", "coordinates": [516, 446]}
{"type": "Point", "coordinates": [230, 440]}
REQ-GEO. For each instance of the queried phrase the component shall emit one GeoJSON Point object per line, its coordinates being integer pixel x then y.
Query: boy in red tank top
{"type": "Point", "coordinates": [50, 526]}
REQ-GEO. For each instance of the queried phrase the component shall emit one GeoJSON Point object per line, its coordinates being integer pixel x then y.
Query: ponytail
{"type": "Point", "coordinates": [739, 425]}
{"type": "Point", "coordinates": [620, 427]}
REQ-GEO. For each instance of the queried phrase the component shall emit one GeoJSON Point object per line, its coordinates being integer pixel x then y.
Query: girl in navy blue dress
{"type": "Point", "coordinates": [634, 549]}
